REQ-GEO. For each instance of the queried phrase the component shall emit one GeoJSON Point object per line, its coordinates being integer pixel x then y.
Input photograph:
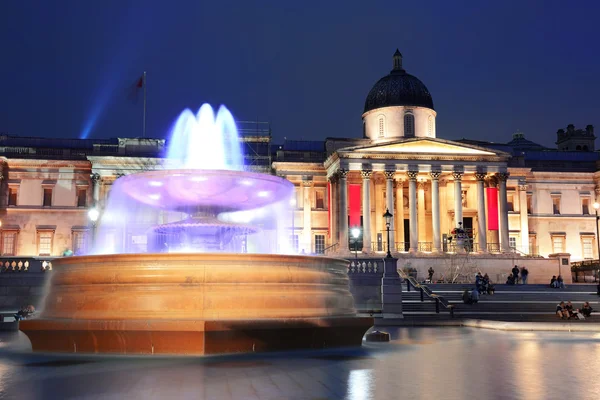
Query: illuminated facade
{"type": "Point", "coordinates": [517, 197]}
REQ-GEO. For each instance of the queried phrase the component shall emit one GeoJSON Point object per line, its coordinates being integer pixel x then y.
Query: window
{"type": "Point", "coordinates": [558, 244]}
{"type": "Point", "coordinates": [299, 197]}
{"type": "Point", "coordinates": [409, 125]}
{"type": "Point", "coordinates": [319, 198]}
{"type": "Point", "coordinates": [79, 243]}
{"type": "Point", "coordinates": [319, 244]}
{"type": "Point", "coordinates": [45, 243]}
{"type": "Point", "coordinates": [138, 243]}
{"type": "Point", "coordinates": [556, 205]}
{"type": "Point", "coordinates": [464, 198]}
{"type": "Point", "coordinates": [47, 197]}
{"type": "Point", "coordinates": [510, 200]}
{"type": "Point", "coordinates": [81, 198]}
{"type": "Point", "coordinates": [512, 242]}
{"type": "Point", "coordinates": [9, 243]}
{"type": "Point", "coordinates": [529, 204]}
{"type": "Point", "coordinates": [430, 126]}
{"type": "Point", "coordinates": [12, 196]}
{"type": "Point", "coordinates": [381, 127]}
{"type": "Point", "coordinates": [587, 243]}
{"type": "Point", "coordinates": [585, 206]}
{"type": "Point", "coordinates": [294, 242]}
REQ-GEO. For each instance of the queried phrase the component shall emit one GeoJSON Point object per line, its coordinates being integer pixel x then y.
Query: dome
{"type": "Point", "coordinates": [398, 89]}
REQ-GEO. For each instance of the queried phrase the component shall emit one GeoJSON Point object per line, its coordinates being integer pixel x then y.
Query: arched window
{"type": "Point", "coordinates": [430, 126]}
{"type": "Point", "coordinates": [578, 148]}
{"type": "Point", "coordinates": [409, 125]}
{"type": "Point", "coordinates": [381, 127]}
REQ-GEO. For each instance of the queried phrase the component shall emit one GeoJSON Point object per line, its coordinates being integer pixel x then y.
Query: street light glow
{"type": "Point", "coordinates": [355, 233]}
{"type": "Point", "coordinates": [93, 214]}
{"type": "Point", "coordinates": [596, 205]}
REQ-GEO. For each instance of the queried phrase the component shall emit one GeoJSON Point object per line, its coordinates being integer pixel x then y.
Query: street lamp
{"type": "Point", "coordinates": [93, 215]}
{"type": "Point", "coordinates": [355, 234]}
{"type": "Point", "coordinates": [388, 220]}
{"type": "Point", "coordinates": [596, 207]}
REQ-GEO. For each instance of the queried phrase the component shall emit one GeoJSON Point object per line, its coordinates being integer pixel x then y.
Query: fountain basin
{"type": "Point", "coordinates": [196, 303]}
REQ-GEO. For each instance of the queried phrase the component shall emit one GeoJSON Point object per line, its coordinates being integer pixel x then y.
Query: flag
{"type": "Point", "coordinates": [134, 89]}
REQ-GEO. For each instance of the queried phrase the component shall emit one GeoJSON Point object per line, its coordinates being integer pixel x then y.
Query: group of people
{"type": "Point", "coordinates": [566, 311]}
{"type": "Point", "coordinates": [482, 286]}
{"type": "Point", "coordinates": [24, 312]}
{"type": "Point", "coordinates": [557, 282]}
{"type": "Point", "coordinates": [513, 278]}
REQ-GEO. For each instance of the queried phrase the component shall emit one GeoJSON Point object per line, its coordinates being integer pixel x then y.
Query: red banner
{"type": "Point", "coordinates": [354, 205]}
{"type": "Point", "coordinates": [492, 208]}
{"type": "Point", "coordinates": [329, 209]}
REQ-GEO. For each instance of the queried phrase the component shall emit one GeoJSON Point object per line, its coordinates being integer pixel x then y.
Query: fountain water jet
{"type": "Point", "coordinates": [197, 291]}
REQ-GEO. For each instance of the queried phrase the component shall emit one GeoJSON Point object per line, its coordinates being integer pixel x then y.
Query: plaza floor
{"type": "Point", "coordinates": [419, 363]}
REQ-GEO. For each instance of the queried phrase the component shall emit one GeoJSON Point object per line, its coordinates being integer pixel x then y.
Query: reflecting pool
{"type": "Point", "coordinates": [419, 363]}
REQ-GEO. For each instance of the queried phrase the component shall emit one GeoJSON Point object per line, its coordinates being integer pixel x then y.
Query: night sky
{"type": "Point", "coordinates": [68, 67]}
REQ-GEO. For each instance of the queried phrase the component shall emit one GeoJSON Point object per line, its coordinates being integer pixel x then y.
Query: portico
{"type": "Point", "coordinates": [441, 187]}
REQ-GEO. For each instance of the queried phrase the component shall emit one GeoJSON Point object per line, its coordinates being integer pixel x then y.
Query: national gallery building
{"type": "Point", "coordinates": [516, 197]}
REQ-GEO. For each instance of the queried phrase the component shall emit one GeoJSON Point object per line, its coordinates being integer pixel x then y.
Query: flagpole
{"type": "Point", "coordinates": [144, 122]}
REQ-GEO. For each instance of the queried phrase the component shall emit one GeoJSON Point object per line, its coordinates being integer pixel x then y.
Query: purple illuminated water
{"type": "Point", "coordinates": [201, 198]}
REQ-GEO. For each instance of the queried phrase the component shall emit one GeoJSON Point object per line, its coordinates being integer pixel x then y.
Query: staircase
{"type": "Point", "coordinates": [508, 303]}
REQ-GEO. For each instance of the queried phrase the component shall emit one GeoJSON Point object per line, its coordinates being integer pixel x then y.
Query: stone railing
{"type": "Point", "coordinates": [15, 264]}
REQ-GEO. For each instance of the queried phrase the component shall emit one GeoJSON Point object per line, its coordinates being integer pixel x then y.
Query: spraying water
{"type": "Point", "coordinates": [202, 200]}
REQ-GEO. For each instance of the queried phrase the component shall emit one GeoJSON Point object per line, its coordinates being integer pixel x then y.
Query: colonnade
{"type": "Point", "coordinates": [416, 206]}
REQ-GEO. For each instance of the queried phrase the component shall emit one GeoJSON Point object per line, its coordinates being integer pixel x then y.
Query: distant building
{"type": "Point", "coordinates": [510, 197]}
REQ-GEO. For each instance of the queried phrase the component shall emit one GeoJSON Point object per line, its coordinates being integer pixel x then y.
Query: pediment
{"type": "Point", "coordinates": [425, 146]}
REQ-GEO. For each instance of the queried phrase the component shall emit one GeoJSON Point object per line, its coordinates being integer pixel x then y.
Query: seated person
{"type": "Point", "coordinates": [559, 282]}
{"type": "Point", "coordinates": [491, 289]}
{"type": "Point", "coordinates": [466, 297]}
{"type": "Point", "coordinates": [586, 310]}
{"type": "Point", "coordinates": [510, 280]}
{"type": "Point", "coordinates": [560, 310]}
{"type": "Point", "coordinates": [474, 296]}
{"type": "Point", "coordinates": [553, 281]}
{"type": "Point", "coordinates": [570, 311]}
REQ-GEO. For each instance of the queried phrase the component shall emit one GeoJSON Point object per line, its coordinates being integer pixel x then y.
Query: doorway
{"type": "Point", "coordinates": [406, 243]}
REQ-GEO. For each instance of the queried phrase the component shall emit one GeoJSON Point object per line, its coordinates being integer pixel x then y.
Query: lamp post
{"type": "Point", "coordinates": [596, 207]}
{"type": "Point", "coordinates": [355, 234]}
{"type": "Point", "coordinates": [93, 215]}
{"type": "Point", "coordinates": [388, 220]}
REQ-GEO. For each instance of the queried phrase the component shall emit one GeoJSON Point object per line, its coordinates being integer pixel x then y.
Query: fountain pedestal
{"type": "Point", "coordinates": [199, 303]}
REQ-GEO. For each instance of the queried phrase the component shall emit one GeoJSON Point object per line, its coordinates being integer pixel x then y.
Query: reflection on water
{"type": "Point", "coordinates": [419, 363]}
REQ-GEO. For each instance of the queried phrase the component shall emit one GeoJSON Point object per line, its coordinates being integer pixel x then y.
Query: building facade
{"type": "Point", "coordinates": [445, 196]}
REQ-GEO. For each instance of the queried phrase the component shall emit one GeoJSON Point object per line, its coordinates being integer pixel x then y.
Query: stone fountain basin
{"type": "Point", "coordinates": [198, 303]}
{"type": "Point", "coordinates": [220, 190]}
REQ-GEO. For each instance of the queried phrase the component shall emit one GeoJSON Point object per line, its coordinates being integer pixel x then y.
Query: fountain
{"type": "Point", "coordinates": [205, 285]}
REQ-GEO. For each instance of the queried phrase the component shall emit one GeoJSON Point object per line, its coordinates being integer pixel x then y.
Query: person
{"type": "Point", "coordinates": [24, 312]}
{"type": "Point", "coordinates": [485, 284]}
{"type": "Point", "coordinates": [586, 310]}
{"type": "Point", "coordinates": [474, 295]}
{"type": "Point", "coordinates": [510, 280]}
{"type": "Point", "coordinates": [560, 310]}
{"type": "Point", "coordinates": [515, 272]}
{"type": "Point", "coordinates": [478, 280]}
{"type": "Point", "coordinates": [524, 275]}
{"type": "Point", "coordinates": [430, 271]}
{"type": "Point", "coordinates": [466, 297]}
{"type": "Point", "coordinates": [553, 281]}
{"type": "Point", "coordinates": [570, 311]}
{"type": "Point", "coordinates": [559, 282]}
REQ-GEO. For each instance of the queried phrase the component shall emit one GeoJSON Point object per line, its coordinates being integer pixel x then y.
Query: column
{"type": "Point", "coordinates": [389, 198]}
{"type": "Point", "coordinates": [422, 229]}
{"type": "Point", "coordinates": [524, 217]}
{"type": "Point", "coordinates": [343, 215]}
{"type": "Point", "coordinates": [400, 214]}
{"type": "Point", "coordinates": [481, 216]}
{"type": "Point", "coordinates": [435, 210]}
{"type": "Point", "coordinates": [458, 215]}
{"type": "Point", "coordinates": [306, 244]}
{"type": "Point", "coordinates": [3, 194]}
{"type": "Point", "coordinates": [332, 212]}
{"type": "Point", "coordinates": [412, 203]}
{"type": "Point", "coordinates": [505, 246]}
{"type": "Point", "coordinates": [366, 206]}
{"type": "Point", "coordinates": [95, 189]}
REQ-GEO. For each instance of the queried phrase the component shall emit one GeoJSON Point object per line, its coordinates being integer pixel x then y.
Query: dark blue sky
{"type": "Point", "coordinates": [492, 67]}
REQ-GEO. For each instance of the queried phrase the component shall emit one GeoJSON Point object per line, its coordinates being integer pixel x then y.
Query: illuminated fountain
{"type": "Point", "coordinates": [206, 285]}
